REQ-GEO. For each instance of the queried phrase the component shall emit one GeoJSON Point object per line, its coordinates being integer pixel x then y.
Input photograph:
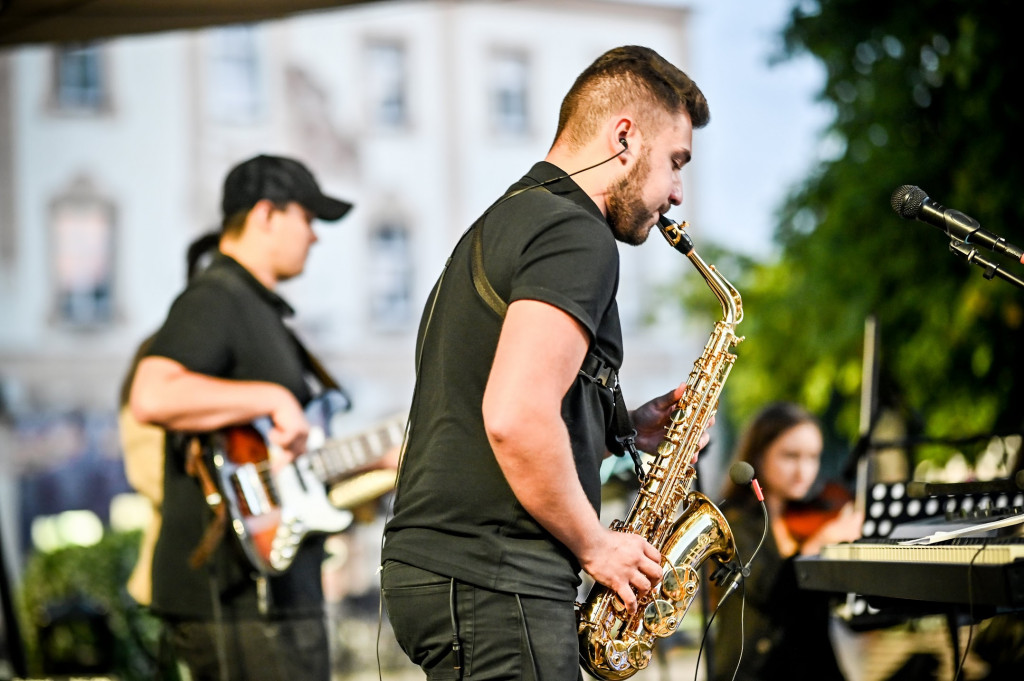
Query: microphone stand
{"type": "Point", "coordinates": [9, 618]}
{"type": "Point", "coordinates": [971, 255]}
{"type": "Point", "coordinates": [704, 594]}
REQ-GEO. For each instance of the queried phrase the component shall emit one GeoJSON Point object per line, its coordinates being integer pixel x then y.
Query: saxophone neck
{"type": "Point", "coordinates": [728, 296]}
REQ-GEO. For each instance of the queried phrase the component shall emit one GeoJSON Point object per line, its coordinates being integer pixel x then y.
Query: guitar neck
{"type": "Point", "coordinates": [339, 458]}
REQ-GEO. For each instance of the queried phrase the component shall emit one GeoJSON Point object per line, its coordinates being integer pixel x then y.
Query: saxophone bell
{"type": "Point", "coordinates": [675, 234]}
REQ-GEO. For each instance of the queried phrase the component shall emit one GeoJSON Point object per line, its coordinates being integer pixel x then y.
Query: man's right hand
{"type": "Point", "coordinates": [290, 427]}
{"type": "Point", "coordinates": [624, 562]}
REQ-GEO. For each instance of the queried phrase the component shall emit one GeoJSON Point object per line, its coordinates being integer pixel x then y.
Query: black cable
{"type": "Point", "coordinates": [456, 643]}
{"type": "Point", "coordinates": [554, 179]}
{"type": "Point", "coordinates": [703, 638]}
{"type": "Point", "coordinates": [970, 609]}
{"type": "Point", "coordinates": [218, 620]}
{"type": "Point", "coordinates": [502, 200]}
{"type": "Point", "coordinates": [739, 576]}
{"type": "Point", "coordinates": [742, 629]}
{"type": "Point", "coordinates": [380, 628]}
{"type": "Point", "coordinates": [526, 637]}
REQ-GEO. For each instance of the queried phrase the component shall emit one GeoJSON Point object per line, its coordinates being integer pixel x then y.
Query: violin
{"type": "Point", "coordinates": [805, 517]}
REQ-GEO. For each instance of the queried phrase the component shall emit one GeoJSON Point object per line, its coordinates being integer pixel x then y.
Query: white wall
{"type": "Point", "coordinates": [161, 158]}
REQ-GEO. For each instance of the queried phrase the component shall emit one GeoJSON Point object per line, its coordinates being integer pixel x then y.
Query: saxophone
{"type": "Point", "coordinates": [613, 644]}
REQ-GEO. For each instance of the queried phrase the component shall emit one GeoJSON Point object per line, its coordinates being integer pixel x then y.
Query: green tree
{"type": "Point", "coordinates": [923, 94]}
{"type": "Point", "coordinates": [78, 618]}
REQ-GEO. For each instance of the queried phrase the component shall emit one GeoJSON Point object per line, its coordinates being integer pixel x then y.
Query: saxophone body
{"type": "Point", "coordinates": [685, 526]}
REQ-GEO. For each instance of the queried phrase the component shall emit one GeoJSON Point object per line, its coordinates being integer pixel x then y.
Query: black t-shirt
{"type": "Point", "coordinates": [455, 514]}
{"type": "Point", "coordinates": [226, 324]}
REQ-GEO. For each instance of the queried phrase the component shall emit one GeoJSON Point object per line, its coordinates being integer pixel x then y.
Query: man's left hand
{"type": "Point", "coordinates": [652, 418]}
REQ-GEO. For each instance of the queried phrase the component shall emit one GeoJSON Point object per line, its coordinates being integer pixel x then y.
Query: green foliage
{"type": "Point", "coordinates": [922, 94]}
{"type": "Point", "coordinates": [79, 617]}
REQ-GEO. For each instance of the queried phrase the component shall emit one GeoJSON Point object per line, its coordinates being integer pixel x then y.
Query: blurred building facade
{"type": "Point", "coordinates": [111, 161]}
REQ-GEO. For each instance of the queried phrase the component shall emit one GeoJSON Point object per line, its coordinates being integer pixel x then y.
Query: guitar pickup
{"type": "Point", "coordinates": [252, 493]}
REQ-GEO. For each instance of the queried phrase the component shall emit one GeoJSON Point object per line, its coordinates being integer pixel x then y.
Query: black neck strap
{"type": "Point", "coordinates": [593, 369]}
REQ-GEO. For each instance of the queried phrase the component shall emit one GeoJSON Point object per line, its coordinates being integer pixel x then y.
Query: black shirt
{"type": "Point", "coordinates": [226, 324]}
{"type": "Point", "coordinates": [455, 513]}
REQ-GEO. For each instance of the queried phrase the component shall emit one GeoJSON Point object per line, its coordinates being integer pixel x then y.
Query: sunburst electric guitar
{"type": "Point", "coordinates": [272, 512]}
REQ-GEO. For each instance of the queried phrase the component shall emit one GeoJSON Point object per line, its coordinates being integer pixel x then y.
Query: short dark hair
{"type": "Point", "coordinates": [627, 76]}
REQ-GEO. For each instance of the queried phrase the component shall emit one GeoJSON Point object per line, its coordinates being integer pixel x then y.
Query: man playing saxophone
{"type": "Point", "coordinates": [517, 401]}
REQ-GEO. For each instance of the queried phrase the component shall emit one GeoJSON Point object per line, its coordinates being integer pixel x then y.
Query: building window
{"type": "Point", "coordinates": [390, 277]}
{"type": "Point", "coordinates": [79, 79]}
{"type": "Point", "coordinates": [509, 93]}
{"type": "Point", "coordinates": [387, 82]}
{"type": "Point", "coordinates": [234, 87]}
{"type": "Point", "coordinates": [82, 258]}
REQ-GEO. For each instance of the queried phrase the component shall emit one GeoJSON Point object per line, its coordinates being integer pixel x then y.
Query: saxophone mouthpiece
{"type": "Point", "coordinates": [675, 234]}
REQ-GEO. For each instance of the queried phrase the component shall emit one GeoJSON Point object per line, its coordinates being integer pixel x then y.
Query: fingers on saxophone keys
{"type": "Point", "coordinates": [641, 584]}
{"type": "Point", "coordinates": [625, 600]}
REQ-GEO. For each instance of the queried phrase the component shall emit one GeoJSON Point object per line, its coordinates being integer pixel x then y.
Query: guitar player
{"type": "Point", "coordinates": [224, 357]}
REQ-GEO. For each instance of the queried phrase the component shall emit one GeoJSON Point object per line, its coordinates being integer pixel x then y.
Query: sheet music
{"type": "Point", "coordinates": [946, 535]}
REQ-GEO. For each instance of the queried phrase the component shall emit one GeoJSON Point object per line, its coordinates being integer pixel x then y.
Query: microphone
{"type": "Point", "coordinates": [742, 473]}
{"type": "Point", "coordinates": [911, 202]}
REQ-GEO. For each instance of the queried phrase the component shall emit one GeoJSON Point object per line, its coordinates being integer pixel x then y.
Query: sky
{"type": "Point", "coordinates": [765, 123]}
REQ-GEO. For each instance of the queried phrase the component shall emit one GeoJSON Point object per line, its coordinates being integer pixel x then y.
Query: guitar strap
{"type": "Point", "coordinates": [313, 365]}
{"type": "Point", "coordinates": [196, 464]}
{"type": "Point", "coordinates": [317, 369]}
{"type": "Point", "coordinates": [621, 434]}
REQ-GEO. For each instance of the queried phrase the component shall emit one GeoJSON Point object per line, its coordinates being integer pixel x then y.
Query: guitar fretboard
{"type": "Point", "coordinates": [338, 458]}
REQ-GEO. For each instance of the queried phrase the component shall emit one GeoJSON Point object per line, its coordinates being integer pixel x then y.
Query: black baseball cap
{"type": "Point", "coordinates": [280, 180]}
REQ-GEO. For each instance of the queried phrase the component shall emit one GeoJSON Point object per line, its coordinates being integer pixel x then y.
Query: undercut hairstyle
{"type": "Point", "coordinates": [629, 78]}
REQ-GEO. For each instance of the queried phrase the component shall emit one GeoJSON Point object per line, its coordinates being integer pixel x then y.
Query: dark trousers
{"type": "Point", "coordinates": [501, 636]}
{"type": "Point", "coordinates": [252, 650]}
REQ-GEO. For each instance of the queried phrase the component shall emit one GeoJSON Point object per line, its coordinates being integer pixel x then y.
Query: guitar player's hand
{"type": "Point", "coordinates": [289, 432]}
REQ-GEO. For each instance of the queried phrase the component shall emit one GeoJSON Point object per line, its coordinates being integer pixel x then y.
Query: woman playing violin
{"type": "Point", "coordinates": [785, 629]}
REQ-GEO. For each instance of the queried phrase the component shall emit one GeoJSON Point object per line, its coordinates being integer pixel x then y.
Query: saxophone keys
{"type": "Point", "coordinates": [671, 584]}
{"type": "Point", "coordinates": [616, 655]}
{"type": "Point", "coordinates": [679, 587]}
{"type": "Point", "coordinates": [640, 654]}
{"type": "Point", "coordinates": [660, 618]}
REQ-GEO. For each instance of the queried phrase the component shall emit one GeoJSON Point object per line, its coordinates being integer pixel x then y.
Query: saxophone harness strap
{"type": "Point", "coordinates": [594, 368]}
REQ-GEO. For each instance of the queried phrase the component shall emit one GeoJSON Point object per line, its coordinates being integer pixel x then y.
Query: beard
{"type": "Point", "coordinates": [627, 214]}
